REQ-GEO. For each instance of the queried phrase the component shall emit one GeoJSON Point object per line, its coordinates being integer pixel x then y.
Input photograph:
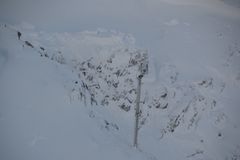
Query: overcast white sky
{"type": "Point", "coordinates": [81, 14]}
{"type": "Point", "coordinates": [72, 12]}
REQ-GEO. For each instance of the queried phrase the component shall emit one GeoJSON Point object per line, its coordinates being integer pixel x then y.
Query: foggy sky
{"type": "Point", "coordinates": [83, 14]}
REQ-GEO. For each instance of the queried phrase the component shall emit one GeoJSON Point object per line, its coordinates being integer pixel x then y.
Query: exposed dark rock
{"type": "Point", "coordinates": [29, 44]}
{"type": "Point", "coordinates": [43, 49]}
{"type": "Point", "coordinates": [164, 95]}
{"type": "Point", "coordinates": [19, 34]}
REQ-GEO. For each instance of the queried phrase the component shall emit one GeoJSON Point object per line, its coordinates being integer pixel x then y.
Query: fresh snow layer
{"type": "Point", "coordinates": [38, 119]}
{"type": "Point", "coordinates": [191, 92]}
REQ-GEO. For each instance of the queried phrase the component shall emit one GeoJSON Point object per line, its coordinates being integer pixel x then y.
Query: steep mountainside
{"type": "Point", "coordinates": [57, 103]}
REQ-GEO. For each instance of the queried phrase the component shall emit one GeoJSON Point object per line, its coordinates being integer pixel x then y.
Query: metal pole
{"type": "Point", "coordinates": [137, 113]}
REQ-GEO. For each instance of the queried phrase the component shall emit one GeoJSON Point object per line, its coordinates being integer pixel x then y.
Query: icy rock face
{"type": "Point", "coordinates": [111, 81]}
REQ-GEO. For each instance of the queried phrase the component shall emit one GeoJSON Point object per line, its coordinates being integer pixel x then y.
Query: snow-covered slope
{"type": "Point", "coordinates": [71, 95]}
{"type": "Point", "coordinates": [39, 120]}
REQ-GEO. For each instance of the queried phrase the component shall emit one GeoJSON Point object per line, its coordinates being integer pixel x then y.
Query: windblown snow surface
{"type": "Point", "coordinates": [71, 95]}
